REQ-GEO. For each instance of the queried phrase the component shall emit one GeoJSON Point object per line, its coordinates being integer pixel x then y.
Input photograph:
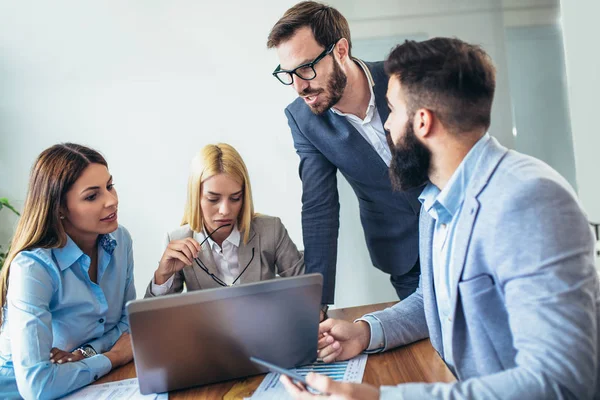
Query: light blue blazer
{"type": "Point", "coordinates": [526, 293]}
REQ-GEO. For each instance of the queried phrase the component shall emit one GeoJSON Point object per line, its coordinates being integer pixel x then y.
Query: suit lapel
{"type": "Point", "coordinates": [464, 229]}
{"type": "Point", "coordinates": [246, 258]}
{"type": "Point", "coordinates": [426, 228]}
{"type": "Point", "coordinates": [348, 133]}
{"type": "Point", "coordinates": [487, 164]}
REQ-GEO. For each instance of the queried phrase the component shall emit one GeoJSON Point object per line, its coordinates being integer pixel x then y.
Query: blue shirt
{"type": "Point", "coordinates": [53, 303]}
{"type": "Point", "coordinates": [444, 206]}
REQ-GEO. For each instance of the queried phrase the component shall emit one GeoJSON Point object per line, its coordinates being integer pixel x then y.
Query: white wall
{"type": "Point", "coordinates": [580, 30]}
{"type": "Point", "coordinates": [539, 96]}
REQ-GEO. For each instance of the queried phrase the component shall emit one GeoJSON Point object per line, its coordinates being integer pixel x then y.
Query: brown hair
{"type": "Point", "coordinates": [52, 175]}
{"type": "Point", "coordinates": [327, 24]}
{"type": "Point", "coordinates": [453, 79]}
{"type": "Point", "coordinates": [215, 159]}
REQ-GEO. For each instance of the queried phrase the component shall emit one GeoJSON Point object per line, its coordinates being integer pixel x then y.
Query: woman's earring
{"type": "Point", "coordinates": [62, 217]}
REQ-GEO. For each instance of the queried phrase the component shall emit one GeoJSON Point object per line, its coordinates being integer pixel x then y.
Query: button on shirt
{"type": "Point", "coordinates": [444, 207]}
{"type": "Point", "coordinates": [53, 303]}
{"type": "Point", "coordinates": [225, 258]}
{"type": "Point", "coordinates": [371, 128]}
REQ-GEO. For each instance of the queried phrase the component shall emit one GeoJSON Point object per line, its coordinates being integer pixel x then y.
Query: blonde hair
{"type": "Point", "coordinates": [52, 175]}
{"type": "Point", "coordinates": [215, 159]}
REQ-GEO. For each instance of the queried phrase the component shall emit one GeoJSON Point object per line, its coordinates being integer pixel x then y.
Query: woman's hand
{"type": "Point", "coordinates": [177, 255]}
{"type": "Point", "coordinates": [58, 356]}
{"type": "Point", "coordinates": [121, 353]}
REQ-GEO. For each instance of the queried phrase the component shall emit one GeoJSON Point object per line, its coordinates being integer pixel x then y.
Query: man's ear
{"type": "Point", "coordinates": [341, 50]}
{"type": "Point", "coordinates": [423, 123]}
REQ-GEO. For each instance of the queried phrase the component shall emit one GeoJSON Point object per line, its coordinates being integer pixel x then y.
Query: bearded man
{"type": "Point", "coordinates": [337, 124]}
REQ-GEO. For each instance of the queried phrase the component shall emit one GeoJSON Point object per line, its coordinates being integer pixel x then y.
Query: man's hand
{"type": "Point", "coordinates": [121, 352]}
{"type": "Point", "coordinates": [342, 340]}
{"type": "Point", "coordinates": [332, 389]}
{"type": "Point", "coordinates": [58, 356]}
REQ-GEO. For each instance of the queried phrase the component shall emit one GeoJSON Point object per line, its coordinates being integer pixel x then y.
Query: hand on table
{"type": "Point", "coordinates": [341, 340]}
{"type": "Point", "coordinates": [333, 389]}
{"type": "Point", "coordinates": [121, 353]}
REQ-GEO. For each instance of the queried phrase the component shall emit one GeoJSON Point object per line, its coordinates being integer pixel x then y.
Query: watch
{"type": "Point", "coordinates": [87, 351]}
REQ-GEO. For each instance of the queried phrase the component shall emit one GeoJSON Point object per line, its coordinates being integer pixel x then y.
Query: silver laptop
{"type": "Point", "coordinates": [208, 336]}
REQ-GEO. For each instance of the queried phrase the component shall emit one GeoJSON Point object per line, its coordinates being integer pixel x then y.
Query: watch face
{"type": "Point", "coordinates": [88, 351]}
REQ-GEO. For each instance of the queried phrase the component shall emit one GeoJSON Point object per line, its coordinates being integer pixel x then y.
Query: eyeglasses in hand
{"type": "Point", "coordinates": [213, 276]}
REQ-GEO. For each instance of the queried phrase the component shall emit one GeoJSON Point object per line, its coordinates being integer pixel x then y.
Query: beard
{"type": "Point", "coordinates": [411, 161]}
{"type": "Point", "coordinates": [335, 89]}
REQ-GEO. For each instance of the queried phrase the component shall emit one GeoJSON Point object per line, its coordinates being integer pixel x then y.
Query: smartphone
{"type": "Point", "coordinates": [290, 374]}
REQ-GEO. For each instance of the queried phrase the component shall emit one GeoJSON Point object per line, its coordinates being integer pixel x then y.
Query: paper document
{"type": "Point", "coordinates": [127, 389]}
{"type": "Point", "coordinates": [346, 371]}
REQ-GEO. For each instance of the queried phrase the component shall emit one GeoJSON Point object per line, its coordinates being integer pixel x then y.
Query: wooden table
{"type": "Point", "coordinates": [417, 362]}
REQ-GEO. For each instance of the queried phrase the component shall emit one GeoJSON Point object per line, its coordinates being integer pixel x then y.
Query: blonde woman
{"type": "Point", "coordinates": [66, 280]}
{"type": "Point", "coordinates": [222, 242]}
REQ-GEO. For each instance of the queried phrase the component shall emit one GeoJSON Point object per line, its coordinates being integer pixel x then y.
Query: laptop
{"type": "Point", "coordinates": [208, 336]}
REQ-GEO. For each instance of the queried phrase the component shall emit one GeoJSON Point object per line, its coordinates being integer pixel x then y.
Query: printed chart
{"type": "Point", "coordinates": [347, 371]}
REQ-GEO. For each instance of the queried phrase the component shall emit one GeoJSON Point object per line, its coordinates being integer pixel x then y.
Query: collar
{"type": "Point", "coordinates": [108, 243]}
{"type": "Point", "coordinates": [371, 106]}
{"type": "Point", "coordinates": [233, 238]}
{"type": "Point", "coordinates": [68, 254]}
{"type": "Point", "coordinates": [443, 205]}
{"type": "Point", "coordinates": [366, 70]}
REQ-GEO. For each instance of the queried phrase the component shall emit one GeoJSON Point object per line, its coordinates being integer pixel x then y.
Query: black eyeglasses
{"type": "Point", "coordinates": [213, 276]}
{"type": "Point", "coordinates": [304, 71]}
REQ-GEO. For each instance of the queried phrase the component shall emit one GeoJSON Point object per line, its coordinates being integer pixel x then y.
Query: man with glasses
{"type": "Point", "coordinates": [336, 124]}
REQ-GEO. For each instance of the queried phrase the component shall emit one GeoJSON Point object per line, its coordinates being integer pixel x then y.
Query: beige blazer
{"type": "Point", "coordinates": [274, 253]}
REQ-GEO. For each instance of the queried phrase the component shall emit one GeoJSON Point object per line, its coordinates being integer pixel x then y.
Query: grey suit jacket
{"type": "Point", "coordinates": [526, 296]}
{"type": "Point", "coordinates": [274, 253]}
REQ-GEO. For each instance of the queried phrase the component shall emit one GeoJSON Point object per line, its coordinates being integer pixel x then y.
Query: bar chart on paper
{"type": "Point", "coordinates": [346, 371]}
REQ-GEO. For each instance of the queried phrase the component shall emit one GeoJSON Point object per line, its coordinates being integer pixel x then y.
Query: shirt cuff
{"type": "Point", "coordinates": [159, 290]}
{"type": "Point", "coordinates": [377, 342]}
{"type": "Point", "coordinates": [99, 365]}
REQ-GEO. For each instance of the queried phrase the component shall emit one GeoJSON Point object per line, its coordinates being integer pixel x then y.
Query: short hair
{"type": "Point", "coordinates": [215, 159]}
{"type": "Point", "coordinates": [327, 24]}
{"type": "Point", "coordinates": [453, 79]}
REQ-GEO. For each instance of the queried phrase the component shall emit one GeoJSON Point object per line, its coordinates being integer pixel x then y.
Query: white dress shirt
{"type": "Point", "coordinates": [225, 258]}
{"type": "Point", "coordinates": [371, 128]}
